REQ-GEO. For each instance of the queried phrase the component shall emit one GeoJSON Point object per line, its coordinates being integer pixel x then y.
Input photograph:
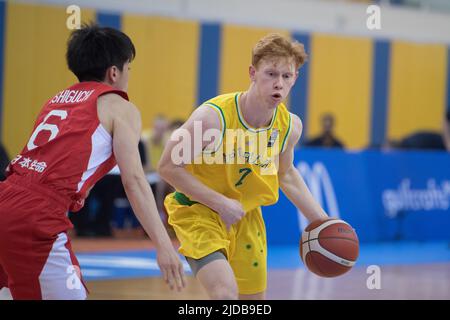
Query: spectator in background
{"type": "Point", "coordinates": [154, 140]}
{"type": "Point", "coordinates": [446, 130]}
{"type": "Point", "coordinates": [326, 138]}
{"type": "Point", "coordinates": [423, 140]}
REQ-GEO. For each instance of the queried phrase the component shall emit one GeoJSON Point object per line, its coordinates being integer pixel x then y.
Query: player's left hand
{"type": "Point", "coordinates": [171, 268]}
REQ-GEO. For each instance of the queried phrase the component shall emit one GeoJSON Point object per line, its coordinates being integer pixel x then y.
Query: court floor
{"type": "Point", "coordinates": [397, 282]}
{"type": "Point", "coordinates": [407, 271]}
{"type": "Point", "coordinates": [121, 269]}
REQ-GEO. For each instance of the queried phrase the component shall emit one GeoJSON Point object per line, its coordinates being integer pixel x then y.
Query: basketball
{"type": "Point", "coordinates": [329, 248]}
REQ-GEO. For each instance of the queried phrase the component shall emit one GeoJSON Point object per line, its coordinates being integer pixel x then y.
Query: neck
{"type": "Point", "coordinates": [254, 110]}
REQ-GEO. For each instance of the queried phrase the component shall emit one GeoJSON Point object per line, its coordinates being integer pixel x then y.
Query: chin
{"type": "Point", "coordinates": [273, 105]}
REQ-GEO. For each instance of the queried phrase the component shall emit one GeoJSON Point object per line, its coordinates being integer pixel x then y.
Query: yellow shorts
{"type": "Point", "coordinates": [201, 231]}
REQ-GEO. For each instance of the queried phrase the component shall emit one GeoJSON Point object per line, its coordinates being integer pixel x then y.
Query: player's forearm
{"type": "Point", "coordinates": [185, 182]}
{"type": "Point", "coordinates": [143, 203]}
{"type": "Point", "coordinates": [297, 192]}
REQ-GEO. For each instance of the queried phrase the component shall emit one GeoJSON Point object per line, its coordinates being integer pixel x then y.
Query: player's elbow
{"type": "Point", "coordinates": [163, 168]}
{"type": "Point", "coordinates": [131, 180]}
{"type": "Point", "coordinates": [167, 169]}
{"type": "Point", "coordinates": [285, 174]}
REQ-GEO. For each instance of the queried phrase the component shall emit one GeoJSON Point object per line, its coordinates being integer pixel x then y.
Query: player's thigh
{"type": "Point", "coordinates": [39, 262]}
{"type": "Point", "coordinates": [45, 268]}
{"type": "Point", "coordinates": [60, 277]}
{"type": "Point", "coordinates": [249, 258]}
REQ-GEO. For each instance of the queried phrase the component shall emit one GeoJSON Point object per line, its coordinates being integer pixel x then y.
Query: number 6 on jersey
{"type": "Point", "coordinates": [53, 128]}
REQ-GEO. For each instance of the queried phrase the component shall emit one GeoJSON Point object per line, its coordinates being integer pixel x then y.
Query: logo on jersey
{"type": "Point", "coordinates": [273, 138]}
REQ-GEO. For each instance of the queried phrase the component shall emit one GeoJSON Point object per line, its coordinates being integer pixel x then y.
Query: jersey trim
{"type": "Point", "coordinates": [183, 199]}
{"type": "Point", "coordinates": [223, 123]}
{"type": "Point", "coordinates": [101, 151]}
{"type": "Point", "coordinates": [288, 133]}
{"type": "Point", "coordinates": [245, 124]}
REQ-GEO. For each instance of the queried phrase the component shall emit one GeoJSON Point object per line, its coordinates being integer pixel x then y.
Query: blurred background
{"type": "Point", "coordinates": [373, 98]}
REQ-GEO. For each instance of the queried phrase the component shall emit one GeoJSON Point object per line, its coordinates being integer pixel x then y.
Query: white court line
{"type": "Point", "coordinates": [122, 262]}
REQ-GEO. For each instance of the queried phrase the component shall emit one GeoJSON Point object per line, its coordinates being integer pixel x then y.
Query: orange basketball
{"type": "Point", "coordinates": [329, 248]}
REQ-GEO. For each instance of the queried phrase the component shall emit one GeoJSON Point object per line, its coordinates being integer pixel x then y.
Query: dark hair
{"type": "Point", "coordinates": [91, 50]}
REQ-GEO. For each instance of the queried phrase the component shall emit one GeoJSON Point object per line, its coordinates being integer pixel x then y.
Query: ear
{"type": "Point", "coordinates": [252, 72]}
{"type": "Point", "coordinates": [112, 74]}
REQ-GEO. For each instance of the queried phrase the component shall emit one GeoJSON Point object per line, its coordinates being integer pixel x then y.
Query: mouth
{"type": "Point", "coordinates": [276, 96]}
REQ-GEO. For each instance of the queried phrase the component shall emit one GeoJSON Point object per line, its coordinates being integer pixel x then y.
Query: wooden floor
{"type": "Point", "coordinates": [143, 289]}
{"type": "Point", "coordinates": [397, 282]}
{"type": "Point", "coordinates": [419, 281]}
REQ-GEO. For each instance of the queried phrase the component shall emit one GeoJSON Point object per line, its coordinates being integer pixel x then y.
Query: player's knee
{"type": "Point", "coordinates": [224, 292]}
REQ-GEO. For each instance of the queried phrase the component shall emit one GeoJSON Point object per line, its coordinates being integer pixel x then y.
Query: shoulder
{"type": "Point", "coordinates": [117, 105]}
{"type": "Point", "coordinates": [209, 116]}
{"type": "Point", "coordinates": [223, 100]}
{"type": "Point", "coordinates": [225, 103]}
{"type": "Point", "coordinates": [296, 123]}
{"type": "Point", "coordinates": [114, 110]}
{"type": "Point", "coordinates": [295, 130]}
{"type": "Point", "coordinates": [216, 110]}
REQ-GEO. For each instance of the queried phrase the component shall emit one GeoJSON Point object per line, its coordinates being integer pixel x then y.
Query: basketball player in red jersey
{"type": "Point", "coordinates": [78, 137]}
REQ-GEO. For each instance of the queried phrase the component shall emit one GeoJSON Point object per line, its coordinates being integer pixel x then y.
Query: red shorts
{"type": "Point", "coordinates": [35, 252]}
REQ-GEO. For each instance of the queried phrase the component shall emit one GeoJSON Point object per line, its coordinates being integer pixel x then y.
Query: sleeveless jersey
{"type": "Point", "coordinates": [69, 150]}
{"type": "Point", "coordinates": [246, 166]}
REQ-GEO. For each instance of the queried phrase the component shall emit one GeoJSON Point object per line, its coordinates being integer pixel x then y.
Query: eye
{"type": "Point", "coordinates": [287, 76]}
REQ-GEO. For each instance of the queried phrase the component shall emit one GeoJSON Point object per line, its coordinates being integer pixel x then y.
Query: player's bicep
{"type": "Point", "coordinates": [187, 142]}
{"type": "Point", "coordinates": [286, 161]}
{"type": "Point", "coordinates": [287, 155]}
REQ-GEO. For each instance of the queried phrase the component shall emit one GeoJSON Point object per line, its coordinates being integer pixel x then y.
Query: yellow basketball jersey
{"type": "Point", "coordinates": [241, 165]}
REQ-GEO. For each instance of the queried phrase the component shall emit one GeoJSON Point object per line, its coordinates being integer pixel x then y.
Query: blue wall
{"type": "Point", "coordinates": [384, 196]}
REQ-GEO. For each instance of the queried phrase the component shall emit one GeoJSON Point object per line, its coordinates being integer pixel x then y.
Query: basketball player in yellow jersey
{"type": "Point", "coordinates": [215, 211]}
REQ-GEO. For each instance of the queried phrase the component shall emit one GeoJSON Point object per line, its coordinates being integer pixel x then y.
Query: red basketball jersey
{"type": "Point", "coordinates": [69, 150]}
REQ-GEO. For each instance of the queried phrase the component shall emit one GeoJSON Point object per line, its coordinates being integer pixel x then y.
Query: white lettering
{"type": "Point", "coordinates": [374, 280]}
{"type": "Point", "coordinates": [374, 20]}
{"type": "Point", "coordinates": [433, 197]}
{"type": "Point", "coordinates": [74, 20]}
{"type": "Point", "coordinates": [73, 282]}
{"type": "Point", "coordinates": [71, 96]}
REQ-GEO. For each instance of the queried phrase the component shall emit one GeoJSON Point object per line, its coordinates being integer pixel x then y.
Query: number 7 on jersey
{"type": "Point", "coordinates": [245, 172]}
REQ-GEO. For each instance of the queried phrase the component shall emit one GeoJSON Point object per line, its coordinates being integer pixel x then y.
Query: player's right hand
{"type": "Point", "coordinates": [231, 212]}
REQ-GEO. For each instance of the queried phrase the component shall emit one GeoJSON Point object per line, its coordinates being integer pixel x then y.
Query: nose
{"type": "Point", "coordinates": [278, 85]}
